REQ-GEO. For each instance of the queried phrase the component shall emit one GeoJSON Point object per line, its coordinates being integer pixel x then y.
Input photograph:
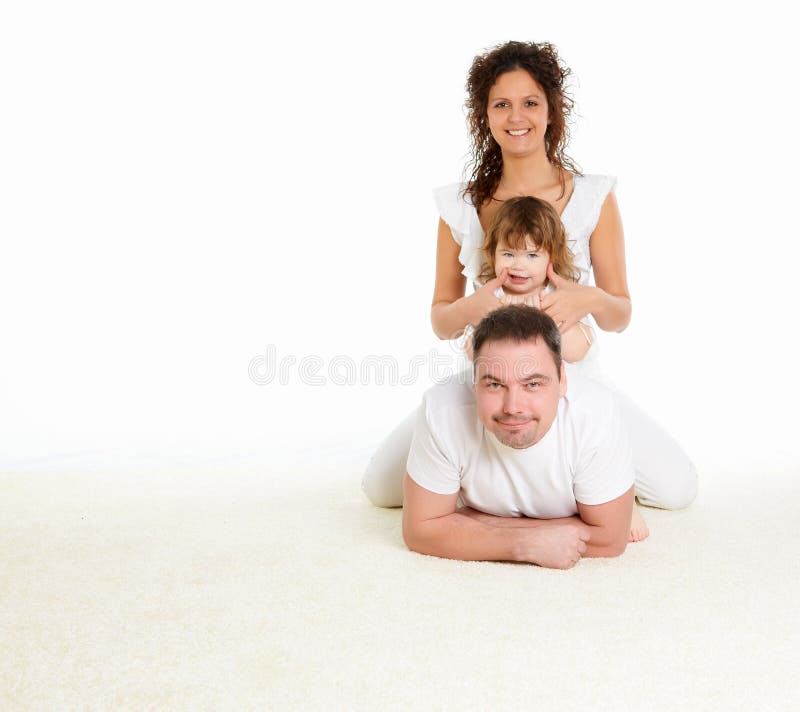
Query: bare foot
{"type": "Point", "coordinates": [639, 529]}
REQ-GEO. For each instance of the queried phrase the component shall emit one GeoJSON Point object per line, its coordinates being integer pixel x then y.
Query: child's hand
{"type": "Point", "coordinates": [531, 300]}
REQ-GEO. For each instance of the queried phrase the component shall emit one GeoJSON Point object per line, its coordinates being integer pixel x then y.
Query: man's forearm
{"type": "Point", "coordinates": [597, 546]}
{"type": "Point", "coordinates": [514, 522]}
{"type": "Point", "coordinates": [456, 536]}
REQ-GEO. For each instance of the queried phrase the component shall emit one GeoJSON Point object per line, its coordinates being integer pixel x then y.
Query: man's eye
{"type": "Point", "coordinates": [534, 384]}
{"type": "Point", "coordinates": [494, 385]}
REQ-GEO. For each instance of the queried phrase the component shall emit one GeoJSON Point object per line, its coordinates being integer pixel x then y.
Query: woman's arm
{"type": "Point", "coordinates": [609, 302]}
{"type": "Point", "coordinates": [451, 311]}
{"type": "Point", "coordinates": [612, 301]}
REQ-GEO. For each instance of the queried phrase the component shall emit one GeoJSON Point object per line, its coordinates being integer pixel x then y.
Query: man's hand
{"type": "Point", "coordinates": [555, 547]}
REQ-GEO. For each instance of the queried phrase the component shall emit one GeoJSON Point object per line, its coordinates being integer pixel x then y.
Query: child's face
{"type": "Point", "coordinates": [527, 269]}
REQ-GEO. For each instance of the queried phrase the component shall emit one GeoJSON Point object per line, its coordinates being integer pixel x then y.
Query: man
{"type": "Point", "coordinates": [545, 474]}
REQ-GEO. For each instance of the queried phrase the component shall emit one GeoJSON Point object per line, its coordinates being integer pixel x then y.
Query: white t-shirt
{"type": "Point", "coordinates": [584, 457]}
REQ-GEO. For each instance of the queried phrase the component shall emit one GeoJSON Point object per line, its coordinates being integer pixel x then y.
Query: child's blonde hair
{"type": "Point", "coordinates": [528, 217]}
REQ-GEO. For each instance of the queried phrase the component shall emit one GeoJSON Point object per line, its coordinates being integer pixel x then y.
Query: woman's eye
{"type": "Point", "coordinates": [531, 103]}
{"type": "Point", "coordinates": [500, 105]}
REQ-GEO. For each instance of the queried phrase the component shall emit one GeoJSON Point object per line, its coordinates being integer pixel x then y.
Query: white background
{"type": "Point", "coordinates": [185, 185]}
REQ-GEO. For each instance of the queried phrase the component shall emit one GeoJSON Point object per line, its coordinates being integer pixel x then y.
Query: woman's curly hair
{"type": "Point", "coordinates": [542, 62]}
{"type": "Point", "coordinates": [520, 219]}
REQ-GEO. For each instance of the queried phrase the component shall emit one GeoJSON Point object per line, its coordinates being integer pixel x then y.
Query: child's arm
{"type": "Point", "coordinates": [576, 342]}
{"type": "Point", "coordinates": [468, 331]}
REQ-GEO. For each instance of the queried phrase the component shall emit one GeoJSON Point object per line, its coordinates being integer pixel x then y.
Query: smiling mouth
{"type": "Point", "coordinates": [513, 423]}
{"type": "Point", "coordinates": [517, 132]}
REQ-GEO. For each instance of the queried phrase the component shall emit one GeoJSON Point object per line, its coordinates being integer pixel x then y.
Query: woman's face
{"type": "Point", "coordinates": [517, 113]}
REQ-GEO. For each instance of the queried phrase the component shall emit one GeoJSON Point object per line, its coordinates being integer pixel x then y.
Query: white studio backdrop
{"type": "Point", "coordinates": [196, 193]}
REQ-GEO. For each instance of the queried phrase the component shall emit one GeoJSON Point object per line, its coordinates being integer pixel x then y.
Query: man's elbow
{"type": "Point", "coordinates": [607, 544]}
{"type": "Point", "coordinates": [413, 540]}
{"type": "Point", "coordinates": [617, 549]}
{"type": "Point", "coordinates": [611, 550]}
{"type": "Point", "coordinates": [408, 539]}
{"type": "Point", "coordinates": [424, 538]}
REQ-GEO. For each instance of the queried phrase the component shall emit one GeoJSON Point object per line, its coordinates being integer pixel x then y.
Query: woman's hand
{"type": "Point", "coordinates": [466, 310]}
{"type": "Point", "coordinates": [484, 298]}
{"type": "Point", "coordinates": [568, 303]}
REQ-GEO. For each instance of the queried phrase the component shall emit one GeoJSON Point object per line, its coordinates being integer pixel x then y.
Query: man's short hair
{"type": "Point", "coordinates": [518, 322]}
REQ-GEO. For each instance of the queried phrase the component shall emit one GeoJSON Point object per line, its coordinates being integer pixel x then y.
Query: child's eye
{"type": "Point", "coordinates": [532, 254]}
{"type": "Point", "coordinates": [507, 254]}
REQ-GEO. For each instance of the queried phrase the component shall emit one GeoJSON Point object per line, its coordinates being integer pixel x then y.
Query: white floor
{"type": "Point", "coordinates": [283, 588]}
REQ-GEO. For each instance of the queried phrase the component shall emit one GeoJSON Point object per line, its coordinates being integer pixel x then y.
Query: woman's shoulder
{"type": "Point", "coordinates": [589, 192]}
{"type": "Point", "coordinates": [452, 194]}
{"type": "Point", "coordinates": [595, 183]}
{"type": "Point", "coordinates": [582, 213]}
{"type": "Point", "coordinates": [456, 209]}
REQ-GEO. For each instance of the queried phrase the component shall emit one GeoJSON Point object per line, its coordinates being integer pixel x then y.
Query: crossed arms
{"type": "Point", "coordinates": [432, 525]}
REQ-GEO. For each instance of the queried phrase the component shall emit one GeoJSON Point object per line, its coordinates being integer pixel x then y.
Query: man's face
{"type": "Point", "coordinates": [517, 388]}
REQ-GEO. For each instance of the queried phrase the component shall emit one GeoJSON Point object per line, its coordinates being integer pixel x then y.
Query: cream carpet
{"type": "Point", "coordinates": [283, 588]}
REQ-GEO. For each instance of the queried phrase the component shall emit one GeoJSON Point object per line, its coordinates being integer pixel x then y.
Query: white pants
{"type": "Point", "coordinates": [665, 476]}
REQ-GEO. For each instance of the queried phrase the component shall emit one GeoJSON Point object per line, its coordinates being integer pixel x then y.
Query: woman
{"type": "Point", "coordinates": [518, 112]}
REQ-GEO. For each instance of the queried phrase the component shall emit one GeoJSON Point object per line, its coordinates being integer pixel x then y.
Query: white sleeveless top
{"type": "Point", "coordinates": [579, 217]}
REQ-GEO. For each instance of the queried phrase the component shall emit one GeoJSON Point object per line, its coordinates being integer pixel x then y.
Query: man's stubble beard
{"type": "Point", "coordinates": [514, 441]}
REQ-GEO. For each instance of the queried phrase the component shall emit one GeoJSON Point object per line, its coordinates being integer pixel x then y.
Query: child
{"type": "Point", "coordinates": [527, 235]}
